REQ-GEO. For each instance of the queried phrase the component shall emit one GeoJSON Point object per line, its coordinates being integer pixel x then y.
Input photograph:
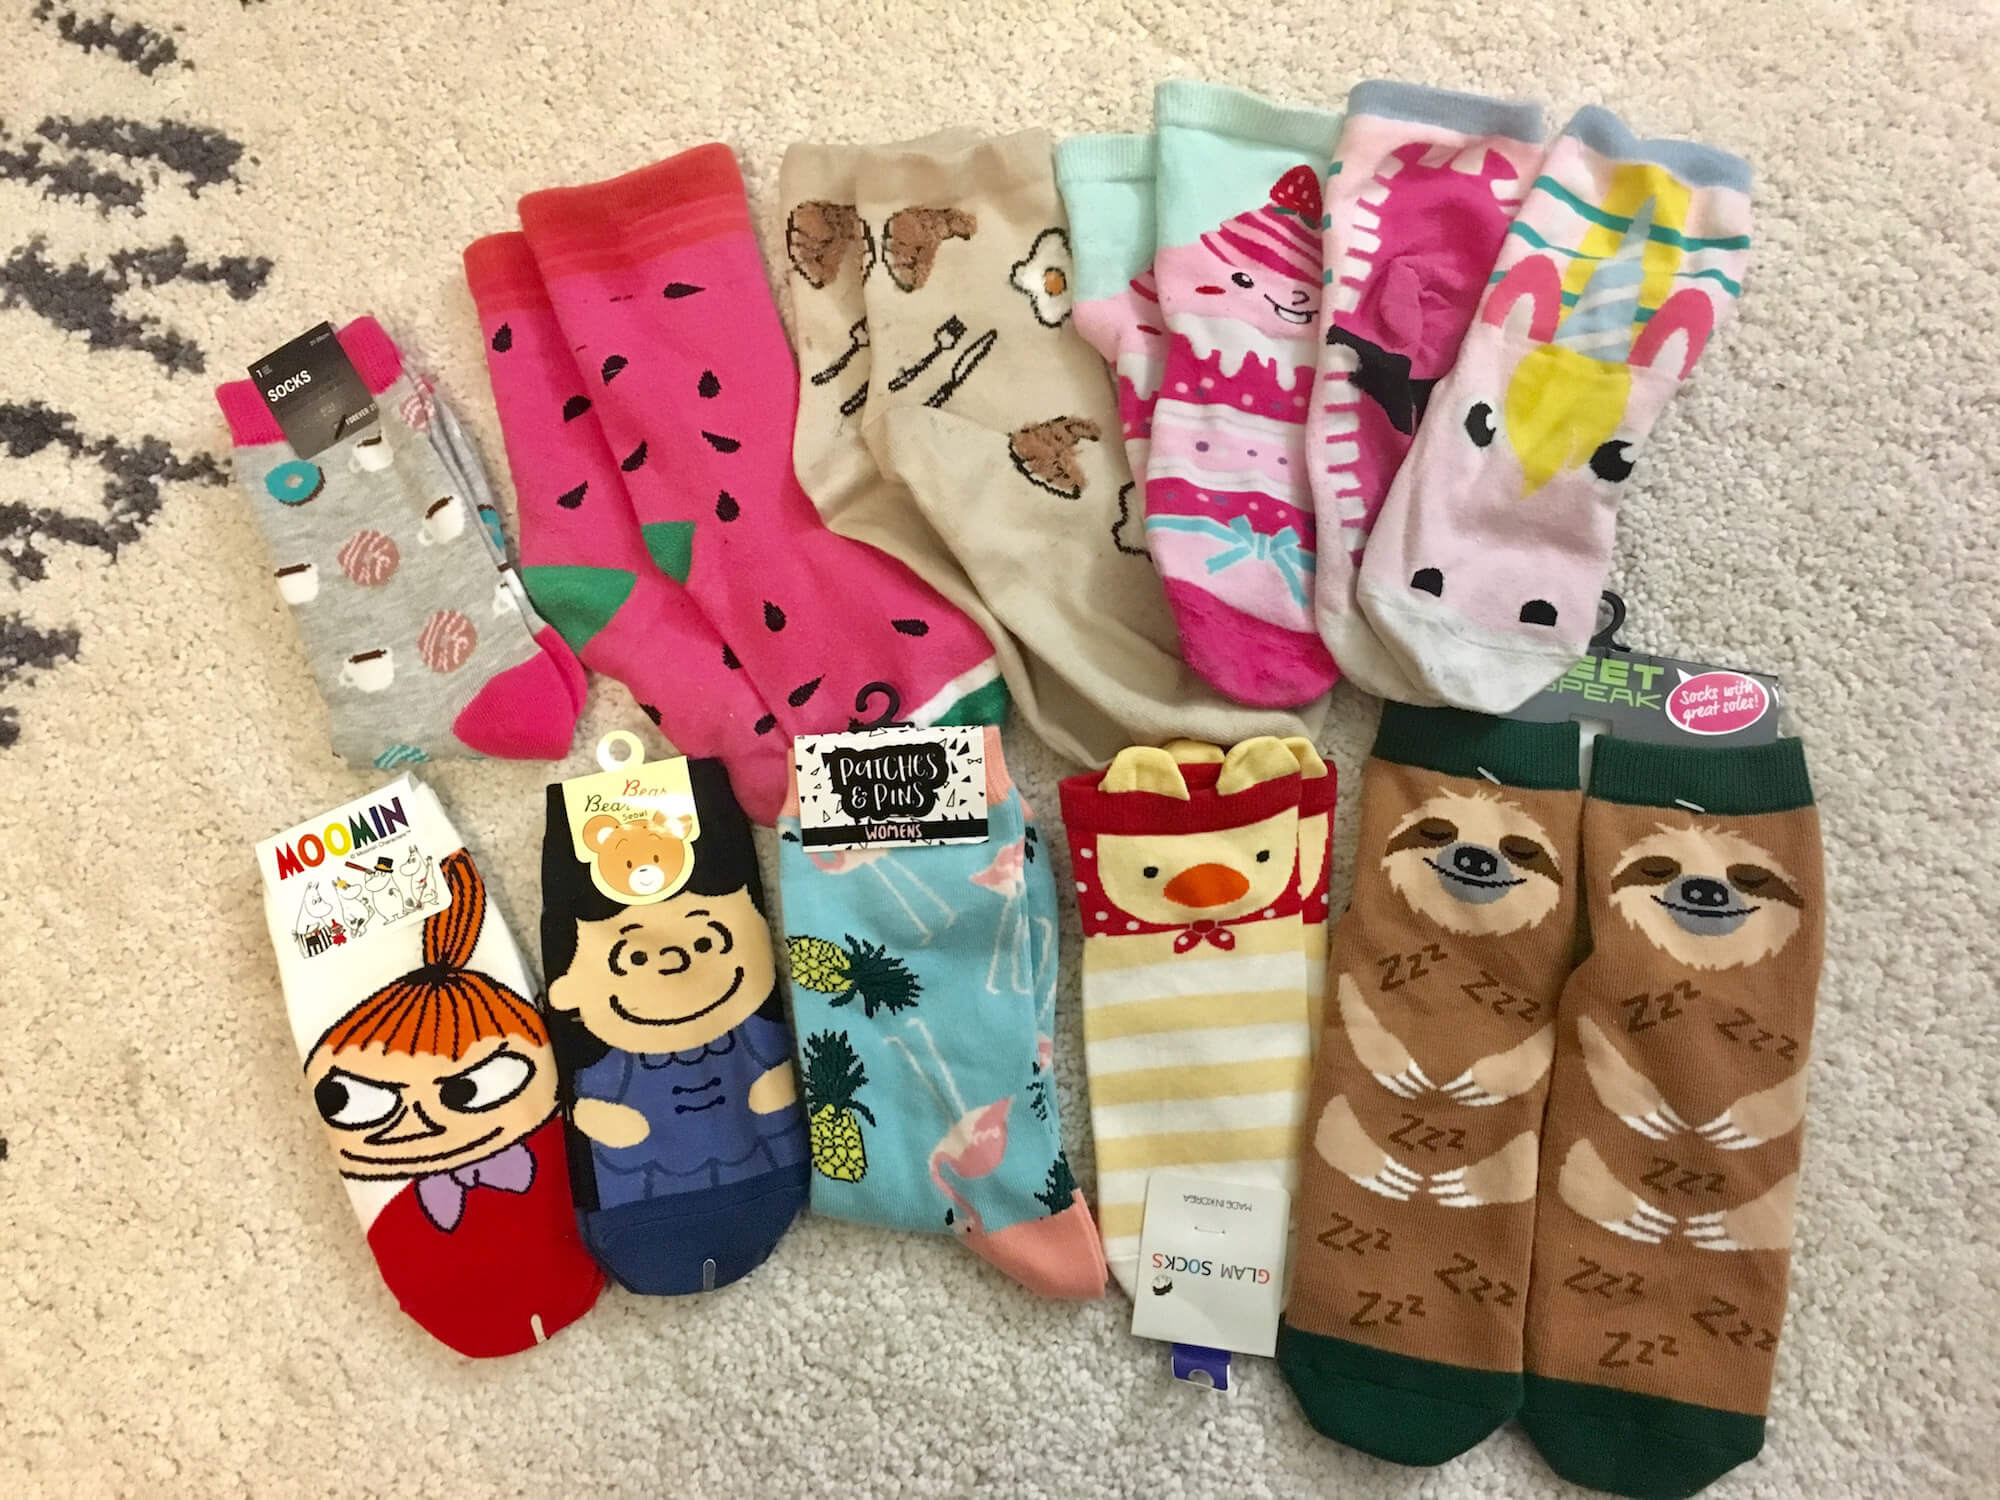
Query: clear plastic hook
{"type": "Point", "coordinates": [635, 753]}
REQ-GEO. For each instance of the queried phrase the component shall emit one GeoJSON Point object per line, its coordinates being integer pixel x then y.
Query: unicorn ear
{"type": "Point", "coordinates": [1674, 337]}
{"type": "Point", "coordinates": [1535, 282]}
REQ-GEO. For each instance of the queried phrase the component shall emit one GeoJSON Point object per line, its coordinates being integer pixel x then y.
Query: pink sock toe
{"type": "Point", "coordinates": [1247, 659]}
{"type": "Point", "coordinates": [527, 712]}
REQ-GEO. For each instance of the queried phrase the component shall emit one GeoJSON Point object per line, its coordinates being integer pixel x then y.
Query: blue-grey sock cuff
{"type": "Point", "coordinates": [1696, 165]}
{"type": "Point", "coordinates": [1469, 114]}
{"type": "Point", "coordinates": [1105, 158]}
{"type": "Point", "coordinates": [1209, 106]}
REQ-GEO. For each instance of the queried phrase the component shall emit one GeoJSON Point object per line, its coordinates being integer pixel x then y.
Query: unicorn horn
{"type": "Point", "coordinates": [1607, 308]}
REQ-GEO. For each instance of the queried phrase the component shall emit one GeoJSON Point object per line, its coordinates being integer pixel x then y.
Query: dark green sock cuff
{"type": "Point", "coordinates": [1453, 742]}
{"type": "Point", "coordinates": [1729, 783]}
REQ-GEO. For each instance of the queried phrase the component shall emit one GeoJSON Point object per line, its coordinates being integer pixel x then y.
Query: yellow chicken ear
{"type": "Point", "coordinates": [1144, 768]}
{"type": "Point", "coordinates": [1255, 762]}
{"type": "Point", "coordinates": [1310, 765]}
{"type": "Point", "coordinates": [1194, 752]}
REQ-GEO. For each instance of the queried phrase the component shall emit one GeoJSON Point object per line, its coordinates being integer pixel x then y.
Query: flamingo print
{"type": "Point", "coordinates": [973, 1147]}
{"type": "Point", "coordinates": [895, 880]}
{"type": "Point", "coordinates": [1006, 876]}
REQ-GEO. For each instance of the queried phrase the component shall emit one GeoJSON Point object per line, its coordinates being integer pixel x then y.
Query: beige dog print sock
{"type": "Point", "coordinates": [951, 415]}
{"type": "Point", "coordinates": [1416, 1202]}
{"type": "Point", "coordinates": [1670, 1156]}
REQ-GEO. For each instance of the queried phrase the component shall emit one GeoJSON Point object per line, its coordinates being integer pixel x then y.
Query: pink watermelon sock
{"type": "Point", "coordinates": [660, 291]}
{"type": "Point", "coordinates": [584, 556]}
{"type": "Point", "coordinates": [1229, 515]}
{"type": "Point", "coordinates": [1423, 190]}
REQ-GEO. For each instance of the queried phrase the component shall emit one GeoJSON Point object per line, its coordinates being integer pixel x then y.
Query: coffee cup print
{"type": "Point", "coordinates": [444, 521]}
{"type": "Point", "coordinates": [298, 584]}
{"type": "Point", "coordinates": [506, 593]}
{"type": "Point", "coordinates": [369, 671]}
{"type": "Point", "coordinates": [372, 455]}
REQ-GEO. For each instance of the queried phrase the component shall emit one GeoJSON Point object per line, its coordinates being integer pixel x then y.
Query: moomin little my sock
{"type": "Point", "coordinates": [1485, 565]}
{"type": "Point", "coordinates": [429, 1064]}
{"type": "Point", "coordinates": [923, 992]}
{"type": "Point", "coordinates": [420, 646]}
{"type": "Point", "coordinates": [1229, 514]}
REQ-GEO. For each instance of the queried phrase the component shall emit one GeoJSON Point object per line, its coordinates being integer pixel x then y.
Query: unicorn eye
{"type": "Point", "coordinates": [1479, 424]}
{"type": "Point", "coordinates": [1612, 461]}
{"type": "Point", "coordinates": [1242, 280]}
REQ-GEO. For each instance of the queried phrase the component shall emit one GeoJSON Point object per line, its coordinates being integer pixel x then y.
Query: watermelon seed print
{"type": "Point", "coordinates": [726, 508]}
{"type": "Point", "coordinates": [575, 407]}
{"type": "Point", "coordinates": [675, 290]}
{"type": "Point", "coordinates": [774, 617]}
{"type": "Point", "coordinates": [911, 627]}
{"type": "Point", "coordinates": [722, 444]}
{"type": "Point", "coordinates": [650, 712]}
{"type": "Point", "coordinates": [447, 641]}
{"type": "Point", "coordinates": [729, 658]}
{"type": "Point", "coordinates": [612, 366]}
{"type": "Point", "coordinates": [708, 386]}
{"type": "Point", "coordinates": [571, 499]}
{"type": "Point", "coordinates": [503, 338]}
{"type": "Point", "coordinates": [802, 694]}
{"type": "Point", "coordinates": [766, 724]}
{"type": "Point", "coordinates": [636, 459]}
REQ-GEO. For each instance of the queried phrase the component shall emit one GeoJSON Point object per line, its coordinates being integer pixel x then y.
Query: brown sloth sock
{"type": "Point", "coordinates": [1416, 1190]}
{"type": "Point", "coordinates": [1670, 1156]}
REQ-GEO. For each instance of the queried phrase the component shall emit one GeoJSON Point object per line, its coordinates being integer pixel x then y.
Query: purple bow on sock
{"type": "Point", "coordinates": [442, 1194]}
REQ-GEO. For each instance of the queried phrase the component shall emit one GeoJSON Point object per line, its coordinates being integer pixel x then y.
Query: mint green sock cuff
{"type": "Point", "coordinates": [1468, 114]}
{"type": "Point", "coordinates": [1084, 159]}
{"type": "Point", "coordinates": [1454, 742]}
{"type": "Point", "coordinates": [1696, 165]}
{"type": "Point", "coordinates": [1728, 783]}
{"type": "Point", "coordinates": [1226, 111]}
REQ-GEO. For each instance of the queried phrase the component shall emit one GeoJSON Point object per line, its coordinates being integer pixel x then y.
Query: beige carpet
{"type": "Point", "coordinates": [186, 1307]}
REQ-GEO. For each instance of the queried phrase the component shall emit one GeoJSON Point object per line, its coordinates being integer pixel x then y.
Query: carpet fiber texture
{"type": "Point", "coordinates": [186, 1307]}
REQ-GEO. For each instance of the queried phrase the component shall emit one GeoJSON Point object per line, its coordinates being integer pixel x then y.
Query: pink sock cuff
{"type": "Point", "coordinates": [695, 196]}
{"type": "Point", "coordinates": [502, 273]}
{"type": "Point", "coordinates": [1087, 811]}
{"type": "Point", "coordinates": [374, 356]}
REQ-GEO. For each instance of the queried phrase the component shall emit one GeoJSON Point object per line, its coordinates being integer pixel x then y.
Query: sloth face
{"type": "Point", "coordinates": [1708, 897]}
{"type": "Point", "coordinates": [1475, 864]}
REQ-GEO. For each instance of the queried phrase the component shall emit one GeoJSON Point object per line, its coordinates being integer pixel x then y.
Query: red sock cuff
{"type": "Point", "coordinates": [502, 273]}
{"type": "Point", "coordinates": [1088, 811]}
{"type": "Point", "coordinates": [372, 352]}
{"type": "Point", "coordinates": [697, 195]}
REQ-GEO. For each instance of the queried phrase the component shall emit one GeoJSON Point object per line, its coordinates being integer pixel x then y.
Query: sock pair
{"type": "Point", "coordinates": [1485, 563]}
{"type": "Point", "coordinates": [430, 1066]}
{"type": "Point", "coordinates": [923, 992]}
{"type": "Point", "coordinates": [688, 1145]}
{"type": "Point", "coordinates": [1201, 881]}
{"type": "Point", "coordinates": [949, 415]}
{"type": "Point", "coordinates": [1588, 1178]}
{"type": "Point", "coordinates": [388, 549]}
{"type": "Point", "coordinates": [645, 390]}
{"type": "Point", "coordinates": [1214, 354]}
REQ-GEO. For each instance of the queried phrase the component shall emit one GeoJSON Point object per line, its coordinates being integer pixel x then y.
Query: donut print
{"type": "Point", "coordinates": [447, 641]}
{"type": "Point", "coordinates": [369, 558]}
{"type": "Point", "coordinates": [294, 482]}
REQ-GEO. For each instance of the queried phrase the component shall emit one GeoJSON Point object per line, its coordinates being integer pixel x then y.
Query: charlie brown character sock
{"type": "Point", "coordinates": [656, 278]}
{"type": "Point", "coordinates": [429, 1063]}
{"type": "Point", "coordinates": [1194, 1005]}
{"type": "Point", "coordinates": [1670, 1156]}
{"type": "Point", "coordinates": [924, 991]}
{"type": "Point", "coordinates": [586, 560]}
{"type": "Point", "coordinates": [1484, 567]}
{"type": "Point", "coordinates": [689, 1150]}
{"type": "Point", "coordinates": [1423, 188]}
{"type": "Point", "coordinates": [1416, 1202]}
{"type": "Point", "coordinates": [419, 647]}
{"type": "Point", "coordinates": [1229, 513]}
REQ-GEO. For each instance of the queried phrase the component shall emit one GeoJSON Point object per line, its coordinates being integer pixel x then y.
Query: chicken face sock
{"type": "Point", "coordinates": [689, 1148]}
{"type": "Point", "coordinates": [657, 276]}
{"type": "Point", "coordinates": [1670, 1157]}
{"type": "Point", "coordinates": [1229, 513]}
{"type": "Point", "coordinates": [1107, 187]}
{"type": "Point", "coordinates": [420, 649]}
{"type": "Point", "coordinates": [1423, 188]}
{"type": "Point", "coordinates": [1194, 1005]}
{"type": "Point", "coordinates": [990, 462]}
{"type": "Point", "coordinates": [1484, 568]}
{"type": "Point", "coordinates": [430, 1065]}
{"type": "Point", "coordinates": [1416, 1203]}
{"type": "Point", "coordinates": [584, 557]}
{"type": "Point", "coordinates": [923, 987]}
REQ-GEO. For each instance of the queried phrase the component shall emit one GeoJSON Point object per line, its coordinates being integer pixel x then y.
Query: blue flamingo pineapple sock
{"type": "Point", "coordinates": [923, 990]}
{"type": "Point", "coordinates": [687, 1146]}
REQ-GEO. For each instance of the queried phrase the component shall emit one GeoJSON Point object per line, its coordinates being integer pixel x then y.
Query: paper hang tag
{"type": "Point", "coordinates": [634, 823]}
{"type": "Point", "coordinates": [896, 786]}
{"type": "Point", "coordinates": [1660, 700]}
{"type": "Point", "coordinates": [1211, 1263]}
{"type": "Point", "coordinates": [313, 391]}
{"type": "Point", "coordinates": [355, 872]}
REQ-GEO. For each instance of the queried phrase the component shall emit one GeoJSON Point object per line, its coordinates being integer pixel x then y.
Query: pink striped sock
{"type": "Point", "coordinates": [584, 558]}
{"type": "Point", "coordinates": [660, 291]}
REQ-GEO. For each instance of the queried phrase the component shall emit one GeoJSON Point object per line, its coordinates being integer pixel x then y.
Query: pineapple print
{"type": "Point", "coordinates": [865, 969]}
{"type": "Point", "coordinates": [834, 1075]}
{"type": "Point", "coordinates": [1056, 1191]}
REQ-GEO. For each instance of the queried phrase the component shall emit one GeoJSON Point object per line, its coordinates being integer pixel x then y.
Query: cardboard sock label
{"type": "Point", "coordinates": [313, 391]}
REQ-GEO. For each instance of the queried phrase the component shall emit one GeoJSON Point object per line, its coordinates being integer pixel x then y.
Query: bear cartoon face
{"type": "Point", "coordinates": [1708, 897]}
{"type": "Point", "coordinates": [1180, 878]}
{"type": "Point", "coordinates": [642, 859]}
{"type": "Point", "coordinates": [671, 976]}
{"type": "Point", "coordinates": [1477, 865]}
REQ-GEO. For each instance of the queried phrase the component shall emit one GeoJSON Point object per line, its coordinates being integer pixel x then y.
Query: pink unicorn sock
{"type": "Point", "coordinates": [1229, 516]}
{"type": "Point", "coordinates": [660, 291]}
{"type": "Point", "coordinates": [1423, 190]}
{"type": "Point", "coordinates": [584, 558]}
